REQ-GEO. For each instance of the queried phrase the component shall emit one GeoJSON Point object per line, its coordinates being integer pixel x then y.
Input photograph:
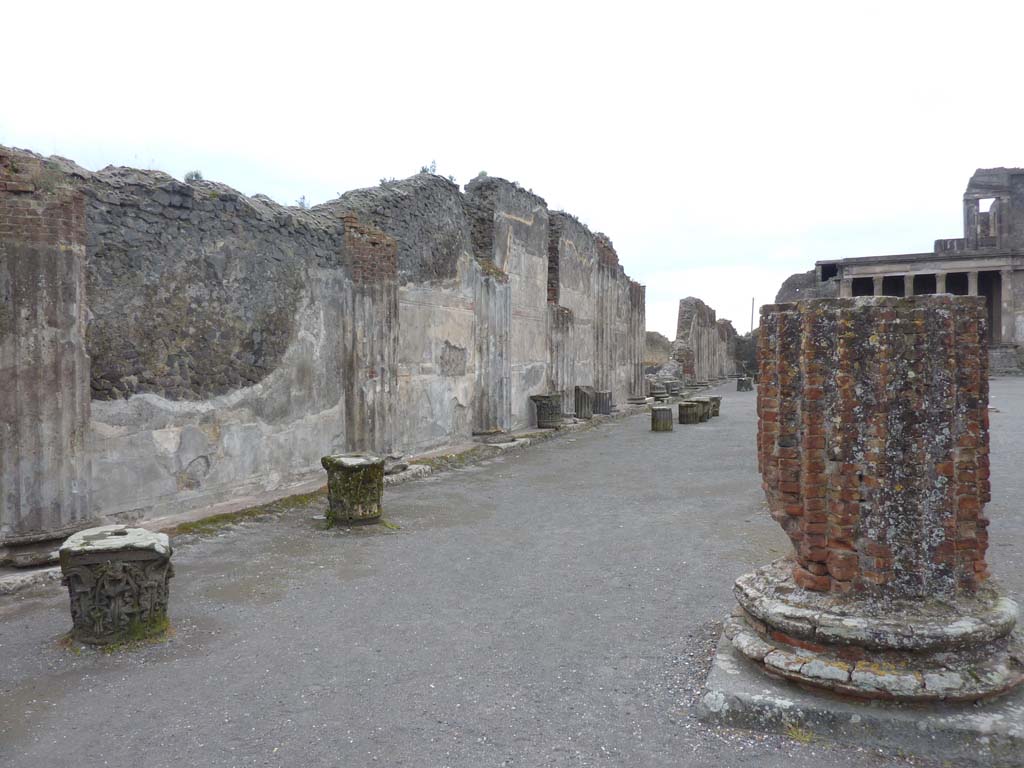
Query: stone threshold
{"type": "Point", "coordinates": [447, 458]}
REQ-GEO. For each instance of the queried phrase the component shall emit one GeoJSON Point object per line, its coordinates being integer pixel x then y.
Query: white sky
{"type": "Point", "coordinates": [722, 146]}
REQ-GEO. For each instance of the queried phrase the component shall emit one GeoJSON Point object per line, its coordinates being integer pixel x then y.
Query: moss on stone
{"type": "Point", "coordinates": [353, 492]}
{"type": "Point", "coordinates": [215, 523]}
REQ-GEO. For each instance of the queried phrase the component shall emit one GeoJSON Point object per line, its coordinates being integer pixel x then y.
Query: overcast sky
{"type": "Point", "coordinates": [722, 146]}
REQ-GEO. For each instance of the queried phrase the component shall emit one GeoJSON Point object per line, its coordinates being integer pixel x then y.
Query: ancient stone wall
{"type": "Point", "coordinates": [235, 341]}
{"type": "Point", "coordinates": [704, 347]}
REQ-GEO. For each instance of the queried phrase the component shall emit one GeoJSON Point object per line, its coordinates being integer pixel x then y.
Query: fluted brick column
{"type": "Point", "coordinates": [873, 428]}
{"type": "Point", "coordinates": [873, 451]}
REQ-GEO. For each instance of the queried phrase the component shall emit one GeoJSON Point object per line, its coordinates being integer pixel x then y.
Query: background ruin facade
{"type": "Point", "coordinates": [987, 261]}
{"type": "Point", "coordinates": [180, 344]}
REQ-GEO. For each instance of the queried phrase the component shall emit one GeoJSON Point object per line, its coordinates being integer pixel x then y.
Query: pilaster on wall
{"type": "Point", "coordinates": [371, 341]}
{"type": "Point", "coordinates": [44, 400]}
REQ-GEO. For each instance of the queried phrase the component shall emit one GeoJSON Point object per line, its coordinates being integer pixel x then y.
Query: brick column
{"type": "Point", "coordinates": [940, 282]}
{"type": "Point", "coordinates": [873, 451]}
{"type": "Point", "coordinates": [846, 287]}
{"type": "Point", "coordinates": [908, 285]}
{"type": "Point", "coordinates": [972, 283]}
{"type": "Point", "coordinates": [876, 286]}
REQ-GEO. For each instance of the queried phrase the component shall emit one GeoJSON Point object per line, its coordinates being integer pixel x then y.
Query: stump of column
{"type": "Point", "coordinates": [689, 412]}
{"type": "Point", "coordinates": [704, 407]}
{"type": "Point", "coordinates": [873, 450]}
{"type": "Point", "coordinates": [716, 405]}
{"type": "Point", "coordinates": [549, 410]}
{"type": "Point", "coordinates": [659, 392]}
{"type": "Point", "coordinates": [661, 418]}
{"type": "Point", "coordinates": [117, 581]}
{"type": "Point", "coordinates": [744, 384]}
{"type": "Point", "coordinates": [603, 402]}
{"type": "Point", "coordinates": [355, 486]}
{"type": "Point", "coordinates": [584, 402]}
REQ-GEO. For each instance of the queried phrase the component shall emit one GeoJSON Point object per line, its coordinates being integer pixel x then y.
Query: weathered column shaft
{"type": "Point", "coordinates": [873, 441]}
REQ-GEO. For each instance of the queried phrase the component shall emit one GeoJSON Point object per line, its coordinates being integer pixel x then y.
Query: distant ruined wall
{"type": "Point", "coordinates": [596, 315]}
{"type": "Point", "coordinates": [657, 348]}
{"type": "Point", "coordinates": [233, 341]}
{"type": "Point", "coordinates": [704, 347]}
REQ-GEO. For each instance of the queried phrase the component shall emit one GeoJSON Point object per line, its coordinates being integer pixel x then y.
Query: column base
{"type": "Point", "coordinates": [961, 649]}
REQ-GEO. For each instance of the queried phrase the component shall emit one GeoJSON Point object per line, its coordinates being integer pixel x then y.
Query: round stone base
{"type": "Point", "coordinates": [961, 649]}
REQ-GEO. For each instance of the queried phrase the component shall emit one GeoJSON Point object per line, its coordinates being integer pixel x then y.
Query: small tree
{"type": "Point", "coordinates": [193, 176]}
{"type": "Point", "coordinates": [301, 202]}
{"type": "Point", "coordinates": [432, 168]}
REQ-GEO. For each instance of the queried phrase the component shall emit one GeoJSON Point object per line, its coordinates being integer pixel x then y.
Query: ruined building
{"type": "Point", "coordinates": [987, 261]}
{"type": "Point", "coordinates": [705, 347]}
{"type": "Point", "coordinates": [165, 346]}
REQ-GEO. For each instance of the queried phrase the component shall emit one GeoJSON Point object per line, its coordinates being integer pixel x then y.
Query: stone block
{"type": "Point", "coordinates": [549, 410]}
{"type": "Point", "coordinates": [355, 485]}
{"type": "Point", "coordinates": [584, 402]}
{"type": "Point", "coordinates": [661, 418]}
{"type": "Point", "coordinates": [117, 582]}
{"type": "Point", "coordinates": [689, 412]}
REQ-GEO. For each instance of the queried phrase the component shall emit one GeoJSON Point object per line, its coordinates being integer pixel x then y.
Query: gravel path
{"type": "Point", "coordinates": [553, 607]}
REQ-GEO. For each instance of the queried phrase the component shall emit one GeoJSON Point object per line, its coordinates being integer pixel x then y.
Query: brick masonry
{"type": "Point", "coordinates": [873, 441]}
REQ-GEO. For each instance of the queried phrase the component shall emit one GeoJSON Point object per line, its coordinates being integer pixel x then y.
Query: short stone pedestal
{"type": "Point", "coordinates": [716, 405]}
{"type": "Point", "coordinates": [744, 384]}
{"type": "Point", "coordinates": [674, 386]}
{"type": "Point", "coordinates": [659, 392]}
{"type": "Point", "coordinates": [873, 448]}
{"type": "Point", "coordinates": [355, 485]}
{"type": "Point", "coordinates": [603, 402]}
{"type": "Point", "coordinates": [117, 581]}
{"type": "Point", "coordinates": [704, 407]}
{"type": "Point", "coordinates": [584, 402]}
{"type": "Point", "coordinates": [661, 418]}
{"type": "Point", "coordinates": [549, 410]}
{"type": "Point", "coordinates": [689, 412]}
